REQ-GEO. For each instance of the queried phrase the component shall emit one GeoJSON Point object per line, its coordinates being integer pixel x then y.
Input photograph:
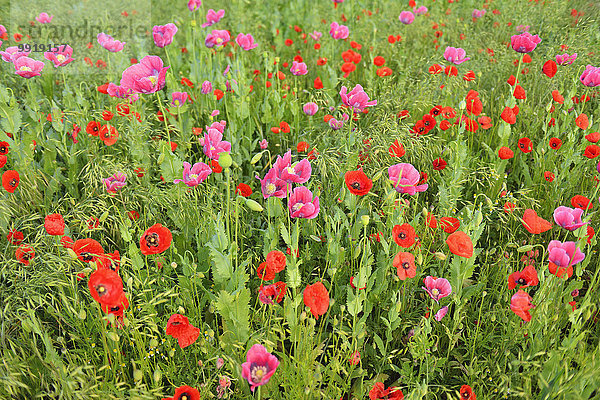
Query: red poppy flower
{"type": "Point", "coordinates": [582, 202]}
{"type": "Point", "coordinates": [243, 190]}
{"type": "Point", "coordinates": [431, 221]}
{"type": "Point", "coordinates": [218, 94]}
{"type": "Point", "coordinates": [384, 71]}
{"type": "Point", "coordinates": [103, 88]}
{"type": "Point", "coordinates": [512, 80]}
{"type": "Point", "coordinates": [379, 392]}
{"type": "Point", "coordinates": [555, 143]}
{"type": "Point", "coordinates": [4, 148]}
{"type": "Point", "coordinates": [284, 126]}
{"type": "Point", "coordinates": [549, 176]}
{"type": "Point", "coordinates": [403, 114]}
{"type": "Point", "coordinates": [106, 287]}
{"type": "Point", "coordinates": [92, 223]}
{"type": "Point", "coordinates": [404, 235]}
{"type": "Point", "coordinates": [15, 237]}
{"type": "Point", "coordinates": [396, 149]}
{"type": "Point", "coordinates": [460, 244]}
{"type": "Point", "coordinates": [155, 240]}
{"type": "Point", "coordinates": [527, 277]}
{"type": "Point", "coordinates": [525, 145]}
{"type": "Point", "coordinates": [590, 234]}
{"type": "Point", "coordinates": [435, 69]}
{"type": "Point", "coordinates": [322, 61]}
{"type": "Point", "coordinates": [107, 115]}
{"type": "Point", "coordinates": [118, 308]}
{"type": "Point", "coordinates": [379, 61]}
{"type": "Point", "coordinates": [439, 164]}
{"type": "Point", "coordinates": [24, 254]}
{"type": "Point", "coordinates": [450, 224]}
{"type": "Point", "coordinates": [180, 328]}
{"type": "Point", "coordinates": [520, 303]}
{"type": "Point", "coordinates": [185, 393]}
{"type": "Point", "coordinates": [429, 122]}
{"type": "Point", "coordinates": [316, 297]}
{"type": "Point", "coordinates": [509, 207]}
{"type": "Point", "coordinates": [215, 167]}
{"type": "Point", "coordinates": [405, 265]}
{"type": "Point", "coordinates": [87, 250]}
{"type": "Point", "coordinates": [357, 182]}
{"type": "Point", "coordinates": [519, 93]}
{"type": "Point", "coordinates": [508, 115]}
{"type": "Point", "coordinates": [109, 135]}
{"type": "Point", "coordinates": [466, 393]}
{"type": "Point", "coordinates": [451, 70]}
{"type": "Point", "coordinates": [67, 242]}
{"type": "Point", "coordinates": [550, 68]}
{"type": "Point", "coordinates": [582, 121]}
{"type": "Point", "coordinates": [557, 97]}
{"type": "Point", "coordinates": [54, 224]}
{"type": "Point", "coordinates": [593, 137]}
{"type": "Point", "coordinates": [301, 147]}
{"type": "Point", "coordinates": [535, 224]}
{"type": "Point", "coordinates": [10, 180]}
{"type": "Point", "coordinates": [3, 160]}
{"type": "Point", "coordinates": [474, 105]}
{"type": "Point", "coordinates": [93, 128]}
{"type": "Point", "coordinates": [592, 151]}
{"type": "Point", "coordinates": [264, 272]}
{"type": "Point", "coordinates": [469, 76]}
{"type": "Point", "coordinates": [347, 68]}
{"type": "Point", "coordinates": [318, 84]}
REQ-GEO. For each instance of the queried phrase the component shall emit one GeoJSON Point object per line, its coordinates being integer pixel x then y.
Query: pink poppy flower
{"type": "Point", "coordinates": [115, 182]}
{"type": "Point", "coordinates": [109, 43]}
{"type": "Point", "coordinates": [213, 144]}
{"type": "Point", "coordinates": [207, 87]}
{"type": "Point", "coordinates": [562, 257]}
{"type": "Point", "coordinates": [565, 59]}
{"type": "Point", "coordinates": [568, 218]}
{"type": "Point", "coordinates": [28, 67]}
{"type": "Point", "coordinates": [298, 68]}
{"type": "Point", "coordinates": [338, 31]}
{"type": "Point", "coordinates": [193, 5]}
{"type": "Point", "coordinates": [405, 179]}
{"type": "Point", "coordinates": [246, 42]}
{"type": "Point", "coordinates": [194, 175]}
{"type": "Point", "coordinates": [282, 163]}
{"type": "Point", "coordinates": [146, 77]}
{"type": "Point", "coordinates": [272, 185]}
{"type": "Point", "coordinates": [121, 92]}
{"type": "Point", "coordinates": [217, 38]}
{"type": "Point", "coordinates": [422, 10]}
{"type": "Point", "coordinates": [60, 58]}
{"type": "Point", "coordinates": [477, 13]}
{"type": "Point", "coordinates": [315, 35]}
{"type": "Point", "coordinates": [310, 108]}
{"type": "Point", "coordinates": [591, 76]}
{"type": "Point", "coordinates": [299, 173]}
{"type": "Point", "coordinates": [357, 98]}
{"type": "Point", "coordinates": [302, 204]}
{"type": "Point", "coordinates": [259, 367]}
{"type": "Point", "coordinates": [437, 288]}
{"type": "Point", "coordinates": [523, 28]}
{"type": "Point", "coordinates": [520, 303]}
{"type": "Point", "coordinates": [455, 55]}
{"type": "Point", "coordinates": [335, 124]}
{"type": "Point", "coordinates": [264, 144]}
{"type": "Point", "coordinates": [525, 42]}
{"type": "Point", "coordinates": [406, 17]}
{"type": "Point", "coordinates": [44, 18]}
{"type": "Point", "coordinates": [213, 17]}
{"type": "Point", "coordinates": [13, 53]}
{"type": "Point", "coordinates": [163, 34]}
{"type": "Point", "coordinates": [179, 98]}
{"type": "Point", "coordinates": [441, 313]}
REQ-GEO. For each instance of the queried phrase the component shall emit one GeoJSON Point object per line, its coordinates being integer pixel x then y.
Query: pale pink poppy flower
{"type": "Point", "coordinates": [568, 218]}
{"type": "Point", "coordinates": [405, 179]}
{"type": "Point", "coordinates": [441, 313]}
{"type": "Point", "coordinates": [422, 10]}
{"type": "Point", "coordinates": [246, 42]}
{"type": "Point", "coordinates": [406, 17]}
{"type": "Point", "coordinates": [28, 67]}
{"type": "Point", "coordinates": [525, 42]}
{"type": "Point", "coordinates": [217, 38]}
{"type": "Point", "coordinates": [264, 144]}
{"type": "Point", "coordinates": [437, 288]}
{"type": "Point", "coordinates": [298, 173]}
{"type": "Point", "coordinates": [272, 185]}
{"type": "Point", "coordinates": [259, 367]}
{"type": "Point", "coordinates": [212, 17]}
{"type": "Point", "coordinates": [109, 43]}
{"type": "Point", "coordinates": [194, 175]}
{"type": "Point", "coordinates": [163, 34]}
{"type": "Point", "coordinates": [60, 58]}
{"type": "Point", "coordinates": [338, 31]}
{"type": "Point", "coordinates": [12, 53]}
{"type": "Point", "coordinates": [302, 204]}
{"type": "Point", "coordinates": [193, 5]}
{"type": "Point", "coordinates": [310, 108]}
{"type": "Point", "coordinates": [315, 35]}
{"type": "Point", "coordinates": [591, 76]}
{"type": "Point", "coordinates": [207, 87]}
{"type": "Point", "coordinates": [44, 18]}
{"type": "Point", "coordinates": [565, 59]}
{"type": "Point", "coordinates": [115, 182]}
{"type": "Point", "coordinates": [455, 55]}
{"type": "Point", "coordinates": [356, 98]}
{"type": "Point", "coordinates": [179, 98]}
{"type": "Point", "coordinates": [148, 76]}
{"type": "Point", "coordinates": [213, 144]}
{"type": "Point", "coordinates": [298, 68]}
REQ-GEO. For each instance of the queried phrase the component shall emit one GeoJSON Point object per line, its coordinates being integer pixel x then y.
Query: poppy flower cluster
{"type": "Point", "coordinates": [275, 262]}
{"type": "Point", "coordinates": [107, 133]}
{"type": "Point", "coordinates": [179, 327]}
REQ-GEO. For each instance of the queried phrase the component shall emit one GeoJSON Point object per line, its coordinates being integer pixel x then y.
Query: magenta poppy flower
{"type": "Point", "coordinates": [194, 175]}
{"type": "Point", "coordinates": [405, 179]}
{"type": "Point", "coordinates": [163, 34]}
{"type": "Point", "coordinates": [455, 55]}
{"type": "Point", "coordinates": [282, 163]}
{"type": "Point", "coordinates": [338, 31]}
{"type": "Point", "coordinates": [441, 313]}
{"type": "Point", "coordinates": [302, 204]}
{"type": "Point", "coordinates": [193, 5]}
{"type": "Point", "coordinates": [213, 144]}
{"type": "Point", "coordinates": [28, 67]}
{"type": "Point", "coordinates": [568, 218]}
{"type": "Point", "coordinates": [357, 98]}
{"type": "Point", "coordinates": [264, 144]}
{"type": "Point", "coordinates": [121, 92]}
{"type": "Point", "coordinates": [477, 13]}
{"type": "Point", "coordinates": [564, 255]}
{"type": "Point", "coordinates": [525, 42]}
{"type": "Point", "coordinates": [565, 59]}
{"type": "Point", "coordinates": [406, 17]}
{"type": "Point", "coordinates": [115, 182]}
{"type": "Point", "coordinates": [207, 87]}
{"type": "Point", "coordinates": [335, 124]}
{"type": "Point", "coordinates": [259, 367]}
{"type": "Point", "coordinates": [310, 108]}
{"type": "Point", "coordinates": [212, 17]}
{"type": "Point", "coordinates": [298, 68]}
{"type": "Point", "coordinates": [422, 10]}
{"type": "Point", "coordinates": [12, 53]}
{"type": "Point", "coordinates": [272, 185]}
{"type": "Point", "coordinates": [60, 58]}
{"type": "Point", "coordinates": [591, 76]}
{"type": "Point", "coordinates": [246, 42]}
{"type": "Point", "coordinates": [299, 173]}
{"type": "Point", "coordinates": [437, 287]}
{"type": "Point", "coordinates": [523, 28]}
{"type": "Point", "coordinates": [217, 38]}
{"type": "Point", "coordinates": [315, 35]}
{"type": "Point", "coordinates": [109, 43]}
{"type": "Point", "coordinates": [44, 18]}
{"type": "Point", "coordinates": [148, 76]}
{"type": "Point", "coordinates": [179, 98]}
{"type": "Point", "coordinates": [3, 31]}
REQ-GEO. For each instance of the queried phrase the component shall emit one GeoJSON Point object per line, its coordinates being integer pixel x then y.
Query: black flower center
{"type": "Point", "coordinates": [184, 396]}
{"type": "Point", "coordinates": [87, 257]}
{"type": "Point", "coordinates": [101, 290]}
{"type": "Point", "coordinates": [426, 123]}
{"type": "Point", "coordinates": [402, 235]}
{"type": "Point", "coordinates": [406, 265]}
{"type": "Point", "coordinates": [13, 182]}
{"type": "Point", "coordinates": [25, 257]}
{"type": "Point", "coordinates": [3, 150]}
{"type": "Point", "coordinates": [355, 185]}
{"type": "Point", "coordinates": [152, 239]}
{"type": "Point", "coordinates": [521, 281]}
{"type": "Point", "coordinates": [421, 129]}
{"type": "Point", "coordinates": [116, 308]}
{"type": "Point", "coordinates": [465, 395]}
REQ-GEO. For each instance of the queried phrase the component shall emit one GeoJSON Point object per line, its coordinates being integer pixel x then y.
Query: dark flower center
{"type": "Point", "coordinates": [12, 183]}
{"type": "Point", "coordinates": [101, 290]}
{"type": "Point", "coordinates": [152, 239]}
{"type": "Point", "coordinates": [522, 145]}
{"type": "Point", "coordinates": [355, 185]}
{"type": "Point", "coordinates": [465, 395]}
{"type": "Point", "coordinates": [554, 144]}
{"type": "Point", "coordinates": [117, 308]}
{"type": "Point", "coordinates": [426, 123]}
{"type": "Point", "coordinates": [184, 396]}
{"type": "Point", "coordinates": [87, 257]}
{"type": "Point", "coordinates": [25, 257]}
{"type": "Point", "coordinates": [406, 265]}
{"type": "Point", "coordinates": [521, 281]}
{"type": "Point", "coordinates": [421, 129]}
{"type": "Point", "coordinates": [402, 235]}
{"type": "Point", "coordinates": [3, 150]}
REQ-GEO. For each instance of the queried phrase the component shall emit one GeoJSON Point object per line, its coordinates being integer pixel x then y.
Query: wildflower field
{"type": "Point", "coordinates": [300, 199]}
